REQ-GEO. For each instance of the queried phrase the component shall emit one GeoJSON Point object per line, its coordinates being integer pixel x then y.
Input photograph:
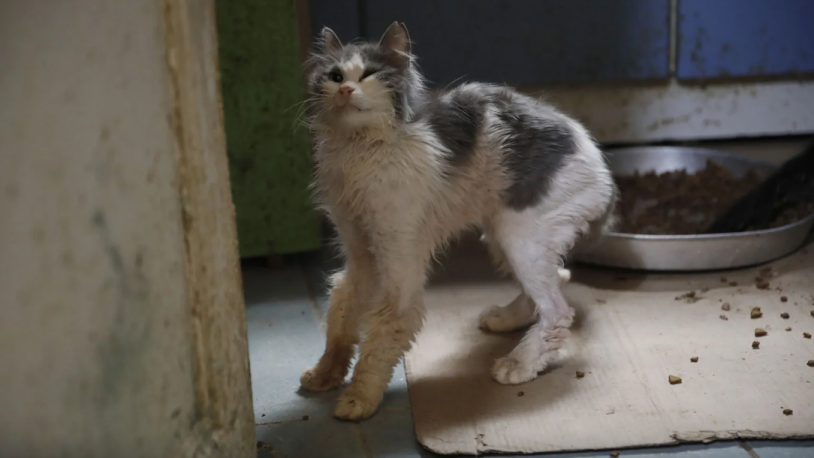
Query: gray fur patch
{"type": "Point", "coordinates": [457, 119]}
{"type": "Point", "coordinates": [535, 149]}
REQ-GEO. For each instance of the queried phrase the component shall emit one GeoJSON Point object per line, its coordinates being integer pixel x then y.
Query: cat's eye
{"type": "Point", "coordinates": [369, 72]}
{"type": "Point", "coordinates": [336, 77]}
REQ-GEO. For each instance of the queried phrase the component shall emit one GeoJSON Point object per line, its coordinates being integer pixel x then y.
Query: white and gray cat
{"type": "Point", "coordinates": [400, 172]}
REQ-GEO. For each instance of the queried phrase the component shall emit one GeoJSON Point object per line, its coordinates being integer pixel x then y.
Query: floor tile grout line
{"type": "Point", "coordinates": [744, 445]}
{"type": "Point", "coordinates": [363, 441]}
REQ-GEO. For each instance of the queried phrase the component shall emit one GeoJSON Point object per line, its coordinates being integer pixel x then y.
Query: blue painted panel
{"type": "Point", "coordinates": [342, 16]}
{"type": "Point", "coordinates": [723, 38]}
{"type": "Point", "coordinates": [531, 41]}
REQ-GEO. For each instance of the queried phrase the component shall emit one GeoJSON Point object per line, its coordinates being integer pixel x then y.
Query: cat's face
{"type": "Point", "coordinates": [359, 85]}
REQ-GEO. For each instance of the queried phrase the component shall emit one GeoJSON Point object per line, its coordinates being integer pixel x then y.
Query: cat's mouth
{"type": "Point", "coordinates": [352, 108]}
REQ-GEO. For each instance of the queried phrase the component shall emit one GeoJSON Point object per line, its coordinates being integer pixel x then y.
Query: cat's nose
{"type": "Point", "coordinates": [345, 91]}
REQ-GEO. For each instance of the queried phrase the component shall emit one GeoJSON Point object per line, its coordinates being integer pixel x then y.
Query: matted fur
{"type": "Point", "coordinates": [400, 172]}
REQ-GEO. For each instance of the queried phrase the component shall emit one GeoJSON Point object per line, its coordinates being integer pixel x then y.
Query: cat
{"type": "Point", "coordinates": [400, 172]}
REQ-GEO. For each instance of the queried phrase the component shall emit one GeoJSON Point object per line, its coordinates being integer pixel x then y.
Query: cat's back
{"type": "Point", "coordinates": [474, 114]}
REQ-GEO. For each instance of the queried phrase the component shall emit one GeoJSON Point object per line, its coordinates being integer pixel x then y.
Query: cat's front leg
{"type": "Point", "coordinates": [390, 328]}
{"type": "Point", "coordinates": [351, 293]}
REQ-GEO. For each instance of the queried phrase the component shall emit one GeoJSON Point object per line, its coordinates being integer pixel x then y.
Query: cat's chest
{"type": "Point", "coordinates": [373, 178]}
{"type": "Point", "coordinates": [372, 169]}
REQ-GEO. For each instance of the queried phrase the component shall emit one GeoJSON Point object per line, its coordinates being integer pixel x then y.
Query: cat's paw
{"type": "Point", "coordinates": [511, 371]}
{"type": "Point", "coordinates": [354, 405]}
{"type": "Point", "coordinates": [315, 379]}
{"type": "Point", "coordinates": [502, 319]}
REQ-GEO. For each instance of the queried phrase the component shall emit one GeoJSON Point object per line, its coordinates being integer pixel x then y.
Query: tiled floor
{"type": "Point", "coordinates": [284, 309]}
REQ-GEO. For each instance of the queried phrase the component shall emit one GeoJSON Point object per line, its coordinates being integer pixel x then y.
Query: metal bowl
{"type": "Point", "coordinates": [691, 252]}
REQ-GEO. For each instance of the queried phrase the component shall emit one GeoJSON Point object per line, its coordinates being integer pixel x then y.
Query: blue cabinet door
{"type": "Point", "coordinates": [744, 38]}
{"type": "Point", "coordinates": [532, 41]}
{"type": "Point", "coordinates": [518, 41]}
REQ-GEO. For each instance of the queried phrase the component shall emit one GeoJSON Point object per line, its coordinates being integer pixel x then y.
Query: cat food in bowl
{"type": "Point", "coordinates": [669, 195]}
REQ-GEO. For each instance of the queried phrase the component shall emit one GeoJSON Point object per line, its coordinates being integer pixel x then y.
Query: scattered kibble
{"type": "Point", "coordinates": [756, 313]}
{"type": "Point", "coordinates": [812, 313]}
{"type": "Point", "coordinates": [787, 412]}
{"type": "Point", "coordinates": [766, 271]}
{"type": "Point", "coordinates": [784, 315]}
{"type": "Point", "coordinates": [694, 359]}
{"type": "Point", "coordinates": [761, 283]}
{"type": "Point", "coordinates": [725, 307]}
{"type": "Point", "coordinates": [755, 344]}
{"type": "Point", "coordinates": [614, 454]}
{"type": "Point", "coordinates": [674, 380]}
{"type": "Point", "coordinates": [723, 317]}
{"type": "Point", "coordinates": [784, 299]}
{"type": "Point", "coordinates": [520, 394]}
{"type": "Point", "coordinates": [788, 329]}
{"type": "Point", "coordinates": [601, 301]}
{"type": "Point", "coordinates": [806, 335]}
{"type": "Point", "coordinates": [580, 374]}
{"type": "Point", "coordinates": [760, 332]}
{"type": "Point", "coordinates": [810, 363]}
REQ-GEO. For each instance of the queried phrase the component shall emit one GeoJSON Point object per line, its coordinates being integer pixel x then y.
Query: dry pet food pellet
{"type": "Point", "coordinates": [784, 315]}
{"type": "Point", "coordinates": [614, 454]}
{"type": "Point", "coordinates": [806, 335]}
{"type": "Point", "coordinates": [755, 344]}
{"type": "Point", "coordinates": [760, 332]}
{"type": "Point", "coordinates": [788, 329]}
{"type": "Point", "coordinates": [812, 313]}
{"type": "Point", "coordinates": [723, 317]}
{"type": "Point", "coordinates": [766, 271]}
{"type": "Point", "coordinates": [694, 359]}
{"type": "Point", "coordinates": [520, 394]}
{"type": "Point", "coordinates": [725, 307]}
{"type": "Point", "coordinates": [580, 374]}
{"type": "Point", "coordinates": [787, 411]}
{"type": "Point", "coordinates": [761, 283]}
{"type": "Point", "coordinates": [673, 379]}
{"type": "Point", "coordinates": [784, 299]}
{"type": "Point", "coordinates": [756, 313]}
{"type": "Point", "coordinates": [810, 363]}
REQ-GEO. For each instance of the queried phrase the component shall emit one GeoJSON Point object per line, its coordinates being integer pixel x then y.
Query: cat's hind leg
{"type": "Point", "coordinates": [519, 313]}
{"type": "Point", "coordinates": [535, 241]}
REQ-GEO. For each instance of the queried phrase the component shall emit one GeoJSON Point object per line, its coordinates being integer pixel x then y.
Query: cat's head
{"type": "Point", "coordinates": [360, 85]}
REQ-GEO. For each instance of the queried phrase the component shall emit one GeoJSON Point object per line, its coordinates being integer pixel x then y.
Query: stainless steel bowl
{"type": "Point", "coordinates": [691, 252]}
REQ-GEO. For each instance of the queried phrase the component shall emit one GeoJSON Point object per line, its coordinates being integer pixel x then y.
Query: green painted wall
{"type": "Point", "coordinates": [269, 149]}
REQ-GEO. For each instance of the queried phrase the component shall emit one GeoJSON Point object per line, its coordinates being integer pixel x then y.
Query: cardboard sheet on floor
{"type": "Point", "coordinates": [631, 334]}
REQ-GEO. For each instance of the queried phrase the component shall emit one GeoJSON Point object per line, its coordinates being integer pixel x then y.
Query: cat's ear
{"type": "Point", "coordinates": [396, 38]}
{"type": "Point", "coordinates": [328, 41]}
